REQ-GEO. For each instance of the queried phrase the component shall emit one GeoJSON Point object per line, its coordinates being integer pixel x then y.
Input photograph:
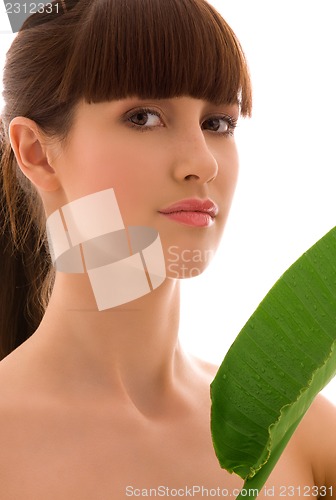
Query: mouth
{"type": "Point", "coordinates": [192, 212]}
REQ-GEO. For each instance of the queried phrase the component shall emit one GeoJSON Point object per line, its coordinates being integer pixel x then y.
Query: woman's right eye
{"type": "Point", "coordinates": [144, 119]}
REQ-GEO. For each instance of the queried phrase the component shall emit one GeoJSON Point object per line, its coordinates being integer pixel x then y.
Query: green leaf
{"type": "Point", "coordinates": [279, 362]}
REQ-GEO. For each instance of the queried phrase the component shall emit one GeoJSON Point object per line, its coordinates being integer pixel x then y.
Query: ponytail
{"type": "Point", "coordinates": [25, 268]}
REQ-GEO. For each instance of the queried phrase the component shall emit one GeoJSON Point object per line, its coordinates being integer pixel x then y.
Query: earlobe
{"type": "Point", "coordinates": [32, 154]}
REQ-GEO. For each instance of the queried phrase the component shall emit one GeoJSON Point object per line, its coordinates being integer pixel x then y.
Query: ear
{"type": "Point", "coordinates": [32, 154]}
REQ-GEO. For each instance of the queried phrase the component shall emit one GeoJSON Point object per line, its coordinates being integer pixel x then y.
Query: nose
{"type": "Point", "coordinates": [194, 160]}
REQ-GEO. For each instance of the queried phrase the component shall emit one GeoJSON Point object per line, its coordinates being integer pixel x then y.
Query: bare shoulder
{"type": "Point", "coordinates": [13, 393]}
{"type": "Point", "coordinates": [12, 420]}
{"type": "Point", "coordinates": [317, 437]}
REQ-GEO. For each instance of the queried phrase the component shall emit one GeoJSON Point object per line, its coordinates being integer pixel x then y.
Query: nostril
{"type": "Point", "coordinates": [191, 176]}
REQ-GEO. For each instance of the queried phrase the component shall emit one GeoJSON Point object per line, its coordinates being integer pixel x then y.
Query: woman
{"type": "Point", "coordinates": [101, 402]}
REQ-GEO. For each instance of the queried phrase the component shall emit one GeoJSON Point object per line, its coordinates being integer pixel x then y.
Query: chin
{"type": "Point", "coordinates": [186, 263]}
{"type": "Point", "coordinates": [183, 274]}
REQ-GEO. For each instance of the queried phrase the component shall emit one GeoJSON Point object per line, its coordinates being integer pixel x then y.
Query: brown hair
{"type": "Point", "coordinates": [96, 50]}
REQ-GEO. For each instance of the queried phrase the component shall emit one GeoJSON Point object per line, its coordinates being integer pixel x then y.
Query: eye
{"type": "Point", "coordinates": [144, 119]}
{"type": "Point", "coordinates": [222, 125]}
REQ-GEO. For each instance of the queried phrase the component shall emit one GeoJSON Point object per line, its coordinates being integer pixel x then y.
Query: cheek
{"type": "Point", "coordinates": [228, 175]}
{"type": "Point", "coordinates": [92, 166]}
{"type": "Point", "coordinates": [235, 169]}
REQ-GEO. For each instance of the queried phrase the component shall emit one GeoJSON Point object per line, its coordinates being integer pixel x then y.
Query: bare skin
{"type": "Point", "coordinates": [70, 437]}
{"type": "Point", "coordinates": [95, 402]}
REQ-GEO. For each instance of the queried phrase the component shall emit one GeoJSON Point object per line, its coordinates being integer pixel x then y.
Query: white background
{"type": "Point", "coordinates": [285, 198]}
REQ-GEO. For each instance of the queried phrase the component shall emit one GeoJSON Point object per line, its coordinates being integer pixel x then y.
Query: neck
{"type": "Point", "coordinates": [133, 346]}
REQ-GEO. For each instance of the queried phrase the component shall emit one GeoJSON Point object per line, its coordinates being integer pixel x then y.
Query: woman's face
{"type": "Point", "coordinates": [156, 153]}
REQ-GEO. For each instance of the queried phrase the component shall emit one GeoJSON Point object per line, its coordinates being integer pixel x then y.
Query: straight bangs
{"type": "Point", "coordinates": [155, 49]}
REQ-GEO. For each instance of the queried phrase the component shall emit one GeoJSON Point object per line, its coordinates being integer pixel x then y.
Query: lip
{"type": "Point", "coordinates": [192, 212]}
